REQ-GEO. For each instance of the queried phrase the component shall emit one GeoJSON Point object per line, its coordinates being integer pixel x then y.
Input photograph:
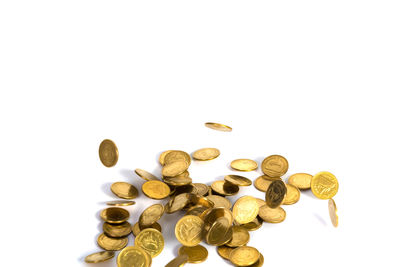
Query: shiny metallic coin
{"type": "Point", "coordinates": [245, 209]}
{"type": "Point", "coordinates": [220, 201]}
{"type": "Point", "coordinates": [275, 194]}
{"type": "Point", "coordinates": [220, 232]}
{"type": "Point", "coordinates": [151, 215]}
{"type": "Point", "coordinates": [196, 254]}
{"type": "Point", "coordinates": [240, 237]}
{"type": "Point", "coordinates": [238, 180]}
{"type": "Point", "coordinates": [224, 188]}
{"type": "Point", "coordinates": [274, 166]}
{"type": "Point", "coordinates": [150, 240]}
{"type": "Point", "coordinates": [174, 169]}
{"type": "Point", "coordinates": [292, 195]}
{"type": "Point", "coordinates": [124, 190]}
{"type": "Point", "coordinates": [218, 126]}
{"type": "Point", "coordinates": [244, 256]}
{"type": "Point", "coordinates": [108, 153]}
{"type": "Point", "coordinates": [111, 243]}
{"type": "Point", "coordinates": [133, 257]}
{"type": "Point", "coordinates": [176, 155]}
{"type": "Point", "coordinates": [117, 230]}
{"type": "Point", "coordinates": [136, 228]}
{"type": "Point", "coordinates": [99, 256]}
{"type": "Point", "coordinates": [262, 183]}
{"type": "Point", "coordinates": [178, 261]}
{"type": "Point", "coordinates": [177, 203]}
{"type": "Point", "coordinates": [301, 180]}
{"type": "Point", "coordinates": [120, 203]}
{"type": "Point", "coordinates": [114, 215]}
{"type": "Point", "coordinates": [202, 189]}
{"type": "Point", "coordinates": [224, 252]}
{"type": "Point", "coordinates": [156, 189]}
{"type": "Point", "coordinates": [324, 185]}
{"type": "Point", "coordinates": [188, 230]}
{"type": "Point", "coordinates": [145, 175]}
{"type": "Point", "coordinates": [206, 154]}
{"type": "Point", "coordinates": [270, 215]}
{"type": "Point", "coordinates": [333, 212]}
{"type": "Point", "coordinates": [244, 165]}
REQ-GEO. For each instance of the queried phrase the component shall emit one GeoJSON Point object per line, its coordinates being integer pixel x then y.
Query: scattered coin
{"type": "Point", "coordinates": [245, 209]}
{"type": "Point", "coordinates": [156, 189]}
{"type": "Point", "coordinates": [202, 189]}
{"type": "Point", "coordinates": [270, 215]}
{"type": "Point", "coordinates": [260, 202]}
{"type": "Point", "coordinates": [244, 256]}
{"type": "Point", "coordinates": [206, 154]}
{"type": "Point", "coordinates": [274, 166]}
{"type": "Point", "coordinates": [151, 240]}
{"type": "Point", "coordinates": [292, 195]}
{"type": "Point", "coordinates": [220, 232]}
{"type": "Point", "coordinates": [324, 185]}
{"type": "Point", "coordinates": [114, 215]}
{"type": "Point", "coordinates": [301, 180]}
{"type": "Point", "coordinates": [213, 214]}
{"type": "Point", "coordinates": [145, 175]}
{"type": "Point", "coordinates": [218, 127]}
{"type": "Point", "coordinates": [275, 194]}
{"type": "Point", "coordinates": [176, 155]}
{"type": "Point", "coordinates": [224, 188]}
{"type": "Point", "coordinates": [133, 257]}
{"type": "Point", "coordinates": [224, 252]}
{"type": "Point", "coordinates": [177, 181]}
{"type": "Point", "coordinates": [117, 230]}
{"type": "Point", "coordinates": [253, 225]}
{"type": "Point", "coordinates": [175, 168]}
{"type": "Point", "coordinates": [136, 228]}
{"type": "Point", "coordinates": [197, 210]}
{"type": "Point", "coordinates": [220, 201]}
{"type": "Point", "coordinates": [240, 237]}
{"type": "Point", "coordinates": [244, 165]}
{"type": "Point", "coordinates": [99, 256]}
{"type": "Point", "coordinates": [188, 230]}
{"type": "Point", "coordinates": [111, 243]}
{"type": "Point", "coordinates": [108, 153]}
{"type": "Point", "coordinates": [177, 203]}
{"type": "Point", "coordinates": [120, 203]}
{"type": "Point", "coordinates": [196, 254]}
{"type": "Point", "coordinates": [238, 180]}
{"type": "Point", "coordinates": [178, 261]}
{"type": "Point", "coordinates": [124, 190]}
{"type": "Point", "coordinates": [333, 212]}
{"type": "Point", "coordinates": [262, 183]}
{"type": "Point", "coordinates": [151, 215]}
{"type": "Point", "coordinates": [259, 263]}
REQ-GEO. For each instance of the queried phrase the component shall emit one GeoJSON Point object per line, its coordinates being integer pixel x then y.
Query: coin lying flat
{"type": "Point", "coordinates": [108, 153]}
{"type": "Point", "coordinates": [225, 188]}
{"type": "Point", "coordinates": [156, 189]}
{"type": "Point", "coordinates": [244, 165]}
{"type": "Point", "coordinates": [324, 185]}
{"type": "Point", "coordinates": [274, 166]}
{"type": "Point", "coordinates": [151, 215]}
{"type": "Point", "coordinates": [133, 257]}
{"type": "Point", "coordinates": [117, 230]}
{"type": "Point", "coordinates": [238, 180]}
{"type": "Point", "coordinates": [206, 154]}
{"type": "Point", "coordinates": [99, 256]}
{"type": "Point", "coordinates": [196, 254]}
{"type": "Point", "coordinates": [262, 183]}
{"type": "Point", "coordinates": [245, 209]}
{"type": "Point", "coordinates": [240, 237]}
{"type": "Point", "coordinates": [244, 256]}
{"type": "Point", "coordinates": [301, 180]}
{"type": "Point", "coordinates": [178, 261]}
{"type": "Point", "coordinates": [145, 175]}
{"type": "Point", "coordinates": [275, 194]}
{"type": "Point", "coordinates": [333, 212]}
{"type": "Point", "coordinates": [218, 126]}
{"type": "Point", "coordinates": [176, 155]}
{"type": "Point", "coordinates": [111, 243]}
{"type": "Point", "coordinates": [120, 203]}
{"type": "Point", "coordinates": [270, 215]}
{"type": "Point", "coordinates": [175, 168]}
{"type": "Point", "coordinates": [136, 228]}
{"type": "Point", "coordinates": [220, 232]}
{"type": "Point", "coordinates": [220, 201]}
{"type": "Point", "coordinates": [292, 195]}
{"type": "Point", "coordinates": [114, 215]}
{"type": "Point", "coordinates": [151, 240]}
{"type": "Point", "coordinates": [188, 230]}
{"type": "Point", "coordinates": [224, 251]}
{"type": "Point", "coordinates": [124, 190]}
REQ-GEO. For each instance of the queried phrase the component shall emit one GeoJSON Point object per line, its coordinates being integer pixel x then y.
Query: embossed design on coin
{"type": "Point", "coordinates": [324, 185]}
{"type": "Point", "coordinates": [108, 153]}
{"type": "Point", "coordinates": [244, 256]}
{"type": "Point", "coordinates": [274, 166]}
{"type": "Point", "coordinates": [110, 243]}
{"type": "Point", "coordinates": [188, 230]}
{"type": "Point", "coordinates": [133, 257]}
{"type": "Point", "coordinates": [245, 209]}
{"type": "Point", "coordinates": [151, 241]}
{"type": "Point", "coordinates": [206, 154]}
{"type": "Point", "coordinates": [275, 194]}
{"type": "Point", "coordinates": [270, 215]}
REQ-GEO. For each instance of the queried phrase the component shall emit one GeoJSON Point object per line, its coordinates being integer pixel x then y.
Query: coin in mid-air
{"type": "Point", "coordinates": [108, 153]}
{"type": "Point", "coordinates": [124, 190]}
{"type": "Point", "coordinates": [224, 251]}
{"type": "Point", "coordinates": [275, 194]}
{"type": "Point", "coordinates": [225, 188]}
{"type": "Point", "coordinates": [333, 212]}
{"type": "Point", "coordinates": [274, 166]}
{"type": "Point", "coordinates": [145, 175]}
{"type": "Point", "coordinates": [156, 189]}
{"type": "Point", "coordinates": [244, 256]}
{"type": "Point", "coordinates": [218, 126]}
{"type": "Point", "coordinates": [133, 256]}
{"type": "Point", "coordinates": [120, 203]}
{"type": "Point", "coordinates": [270, 215]}
{"type": "Point", "coordinates": [196, 254]}
{"type": "Point", "coordinates": [188, 230]}
{"type": "Point", "coordinates": [220, 201]}
{"type": "Point", "coordinates": [324, 185]}
{"type": "Point", "coordinates": [151, 215]}
{"type": "Point", "coordinates": [292, 195]}
{"type": "Point", "coordinates": [245, 209]}
{"type": "Point", "coordinates": [176, 155]}
{"type": "Point", "coordinates": [151, 240]}
{"type": "Point", "coordinates": [114, 215]}
{"type": "Point", "coordinates": [300, 180]}
{"type": "Point", "coordinates": [238, 180]}
{"type": "Point", "coordinates": [117, 230]}
{"type": "Point", "coordinates": [244, 165]}
{"type": "Point", "coordinates": [136, 228]}
{"type": "Point", "coordinates": [111, 243]}
{"type": "Point", "coordinates": [262, 183]}
{"type": "Point", "coordinates": [220, 232]}
{"type": "Point", "coordinates": [240, 237]}
{"type": "Point", "coordinates": [253, 225]}
{"type": "Point", "coordinates": [178, 261]}
{"type": "Point", "coordinates": [99, 256]}
{"type": "Point", "coordinates": [174, 169]}
{"type": "Point", "coordinates": [206, 154]}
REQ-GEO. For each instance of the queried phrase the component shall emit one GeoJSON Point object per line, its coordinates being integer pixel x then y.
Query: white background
{"type": "Point", "coordinates": [315, 81]}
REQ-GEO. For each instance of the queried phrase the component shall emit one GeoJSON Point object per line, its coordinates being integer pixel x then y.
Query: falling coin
{"type": "Point", "coordinates": [176, 155]}
{"type": "Point", "coordinates": [245, 209]}
{"type": "Point", "coordinates": [225, 188]}
{"type": "Point", "coordinates": [275, 194]}
{"type": "Point", "coordinates": [178, 261]}
{"type": "Point", "coordinates": [244, 165]}
{"type": "Point", "coordinates": [218, 127]}
{"type": "Point", "coordinates": [124, 190]}
{"type": "Point", "coordinates": [220, 201]}
{"type": "Point", "coordinates": [262, 183]}
{"type": "Point", "coordinates": [120, 203]}
{"type": "Point", "coordinates": [238, 180]}
{"type": "Point", "coordinates": [333, 212]}
{"type": "Point", "coordinates": [114, 215]}
{"type": "Point", "coordinates": [270, 215]}
{"type": "Point", "coordinates": [292, 195]}
{"type": "Point", "coordinates": [224, 252]}
{"type": "Point", "coordinates": [188, 230]}
{"type": "Point", "coordinates": [324, 185]}
{"type": "Point", "coordinates": [136, 228]}
{"type": "Point", "coordinates": [240, 237]}
{"type": "Point", "coordinates": [244, 256]}
{"type": "Point", "coordinates": [177, 203]}
{"type": "Point", "coordinates": [253, 225]}
{"type": "Point", "coordinates": [274, 166]}
{"type": "Point", "coordinates": [206, 154]}
{"type": "Point", "coordinates": [156, 189]}
{"type": "Point", "coordinates": [196, 254]}
{"type": "Point", "coordinates": [175, 168]}
{"type": "Point", "coordinates": [301, 180]}
{"type": "Point", "coordinates": [133, 257]}
{"type": "Point", "coordinates": [151, 215]}
{"type": "Point", "coordinates": [202, 189]}
{"type": "Point", "coordinates": [151, 240]}
{"type": "Point", "coordinates": [145, 175]}
{"type": "Point", "coordinates": [108, 153]}
{"type": "Point", "coordinates": [220, 232]}
{"type": "Point", "coordinates": [110, 243]}
{"type": "Point", "coordinates": [99, 256]}
{"type": "Point", "coordinates": [117, 230]}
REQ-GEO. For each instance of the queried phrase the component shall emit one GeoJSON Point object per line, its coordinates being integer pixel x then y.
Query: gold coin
{"type": "Point", "coordinates": [262, 183]}
{"type": "Point", "coordinates": [111, 243]}
{"type": "Point", "coordinates": [188, 230]}
{"type": "Point", "coordinates": [220, 201]}
{"type": "Point", "coordinates": [275, 194]}
{"type": "Point", "coordinates": [198, 200]}
{"type": "Point", "coordinates": [117, 230]}
{"type": "Point", "coordinates": [202, 189]}
{"type": "Point", "coordinates": [244, 256]}
{"type": "Point", "coordinates": [175, 168]}
{"type": "Point", "coordinates": [151, 240]}
{"type": "Point", "coordinates": [224, 251]}
{"type": "Point", "coordinates": [244, 165]}
{"type": "Point", "coordinates": [136, 228]}
{"type": "Point", "coordinates": [156, 189]}
{"type": "Point", "coordinates": [240, 237]}
{"type": "Point", "coordinates": [324, 185]}
{"type": "Point", "coordinates": [245, 209]}
{"type": "Point", "coordinates": [151, 215]}
{"type": "Point", "coordinates": [333, 212]}
{"type": "Point", "coordinates": [218, 127]}
{"type": "Point", "coordinates": [269, 215]}
{"type": "Point", "coordinates": [161, 159]}
{"type": "Point", "coordinates": [176, 155]}
{"type": "Point", "coordinates": [237, 180]}
{"type": "Point", "coordinates": [253, 225]}
{"type": "Point", "coordinates": [178, 261]}
{"type": "Point", "coordinates": [177, 203]}
{"type": "Point", "coordinates": [177, 181]}
{"type": "Point", "coordinates": [301, 180]}
{"type": "Point", "coordinates": [260, 202]}
{"type": "Point", "coordinates": [197, 210]}
{"type": "Point", "coordinates": [196, 254]}
{"type": "Point", "coordinates": [114, 215]}
{"type": "Point", "coordinates": [121, 203]}
{"type": "Point", "coordinates": [124, 190]}
{"type": "Point", "coordinates": [259, 263]}
{"type": "Point", "coordinates": [206, 154]}
{"type": "Point", "coordinates": [99, 256]}
{"type": "Point", "coordinates": [225, 188]}
{"type": "Point", "coordinates": [213, 214]}
{"type": "Point", "coordinates": [220, 232]}
{"type": "Point", "coordinates": [145, 175]}
{"type": "Point", "coordinates": [274, 166]}
{"type": "Point", "coordinates": [133, 257]}
{"type": "Point", "coordinates": [187, 188]}
{"type": "Point", "coordinates": [292, 195]}
{"type": "Point", "coordinates": [108, 153]}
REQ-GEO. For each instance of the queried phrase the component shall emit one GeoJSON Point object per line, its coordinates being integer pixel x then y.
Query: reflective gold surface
{"type": "Point", "coordinates": [301, 180]}
{"type": "Point", "coordinates": [270, 215]}
{"type": "Point", "coordinates": [189, 230]}
{"type": "Point", "coordinates": [292, 195]}
{"type": "Point", "coordinates": [220, 232]}
{"type": "Point", "coordinates": [114, 215]}
{"type": "Point", "coordinates": [324, 185]}
{"type": "Point", "coordinates": [136, 228]}
{"type": "Point", "coordinates": [224, 251]}
{"type": "Point", "coordinates": [151, 215]}
{"type": "Point", "coordinates": [333, 212]}
{"type": "Point", "coordinates": [176, 155]}
{"type": "Point", "coordinates": [111, 243]}
{"type": "Point", "coordinates": [238, 180]}
{"type": "Point", "coordinates": [196, 254]}
{"type": "Point", "coordinates": [244, 256]}
{"type": "Point", "coordinates": [99, 256]}
{"type": "Point", "coordinates": [202, 189]}
{"type": "Point", "coordinates": [156, 189]}
{"type": "Point", "coordinates": [225, 188]}
{"type": "Point", "coordinates": [220, 201]}
{"type": "Point", "coordinates": [206, 154]}
{"type": "Point", "coordinates": [275, 194]}
{"type": "Point", "coordinates": [274, 166]}
{"type": "Point", "coordinates": [244, 165]}
{"type": "Point", "coordinates": [253, 225]}
{"type": "Point", "coordinates": [178, 261]}
{"type": "Point", "coordinates": [240, 237]}
{"type": "Point", "coordinates": [120, 203]}
{"type": "Point", "coordinates": [175, 168]}
{"type": "Point", "coordinates": [124, 190]}
{"type": "Point", "coordinates": [218, 126]}
{"type": "Point", "coordinates": [117, 230]}
{"type": "Point", "coordinates": [133, 257]}
{"type": "Point", "coordinates": [151, 240]}
{"type": "Point", "coordinates": [262, 183]}
{"type": "Point", "coordinates": [108, 153]}
{"type": "Point", "coordinates": [145, 175]}
{"type": "Point", "coordinates": [245, 209]}
{"type": "Point", "coordinates": [177, 203]}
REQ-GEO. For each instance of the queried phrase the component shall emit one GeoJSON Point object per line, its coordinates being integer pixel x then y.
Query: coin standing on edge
{"type": "Point", "coordinates": [108, 153]}
{"type": "Point", "coordinates": [333, 212]}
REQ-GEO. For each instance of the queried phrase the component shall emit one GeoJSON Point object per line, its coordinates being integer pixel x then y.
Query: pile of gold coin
{"type": "Point", "coordinates": [207, 215]}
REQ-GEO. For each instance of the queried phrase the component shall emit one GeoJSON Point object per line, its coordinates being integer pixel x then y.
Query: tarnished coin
{"type": "Point", "coordinates": [99, 256]}
{"type": "Point", "coordinates": [133, 257]}
{"type": "Point", "coordinates": [176, 155]}
{"type": "Point", "coordinates": [244, 256]}
{"type": "Point", "coordinates": [175, 168]}
{"type": "Point", "coordinates": [202, 189]}
{"type": "Point", "coordinates": [151, 215]}
{"type": "Point", "coordinates": [333, 212]}
{"type": "Point", "coordinates": [145, 175]}
{"type": "Point", "coordinates": [237, 180]}
{"type": "Point", "coordinates": [262, 183]}
{"type": "Point", "coordinates": [244, 165]}
{"type": "Point", "coordinates": [114, 215]}
{"type": "Point", "coordinates": [196, 254]}
{"type": "Point", "coordinates": [189, 230]}
{"type": "Point", "coordinates": [240, 237]}
{"type": "Point", "coordinates": [177, 203]}
{"type": "Point", "coordinates": [124, 190]}
{"type": "Point", "coordinates": [269, 215]}
{"type": "Point", "coordinates": [177, 181]}
{"type": "Point", "coordinates": [136, 228]}
{"type": "Point", "coordinates": [292, 195]}
{"type": "Point", "coordinates": [151, 240]}
{"type": "Point", "coordinates": [245, 209]}
{"type": "Point", "coordinates": [120, 203]}
{"type": "Point", "coordinates": [253, 225]}
{"type": "Point", "coordinates": [324, 185]}
{"type": "Point", "coordinates": [111, 243]}
{"type": "Point", "coordinates": [274, 166]}
{"type": "Point", "coordinates": [178, 261]}
{"type": "Point", "coordinates": [117, 230]}
{"type": "Point", "coordinates": [225, 188]}
{"type": "Point", "coordinates": [218, 126]}
{"type": "Point", "coordinates": [301, 180]}
{"type": "Point", "coordinates": [156, 189]}
{"type": "Point", "coordinates": [224, 251]}
{"type": "Point", "coordinates": [275, 194]}
{"type": "Point", "coordinates": [220, 232]}
{"type": "Point", "coordinates": [108, 153]}
{"type": "Point", "coordinates": [206, 154]}
{"type": "Point", "coordinates": [220, 201]}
